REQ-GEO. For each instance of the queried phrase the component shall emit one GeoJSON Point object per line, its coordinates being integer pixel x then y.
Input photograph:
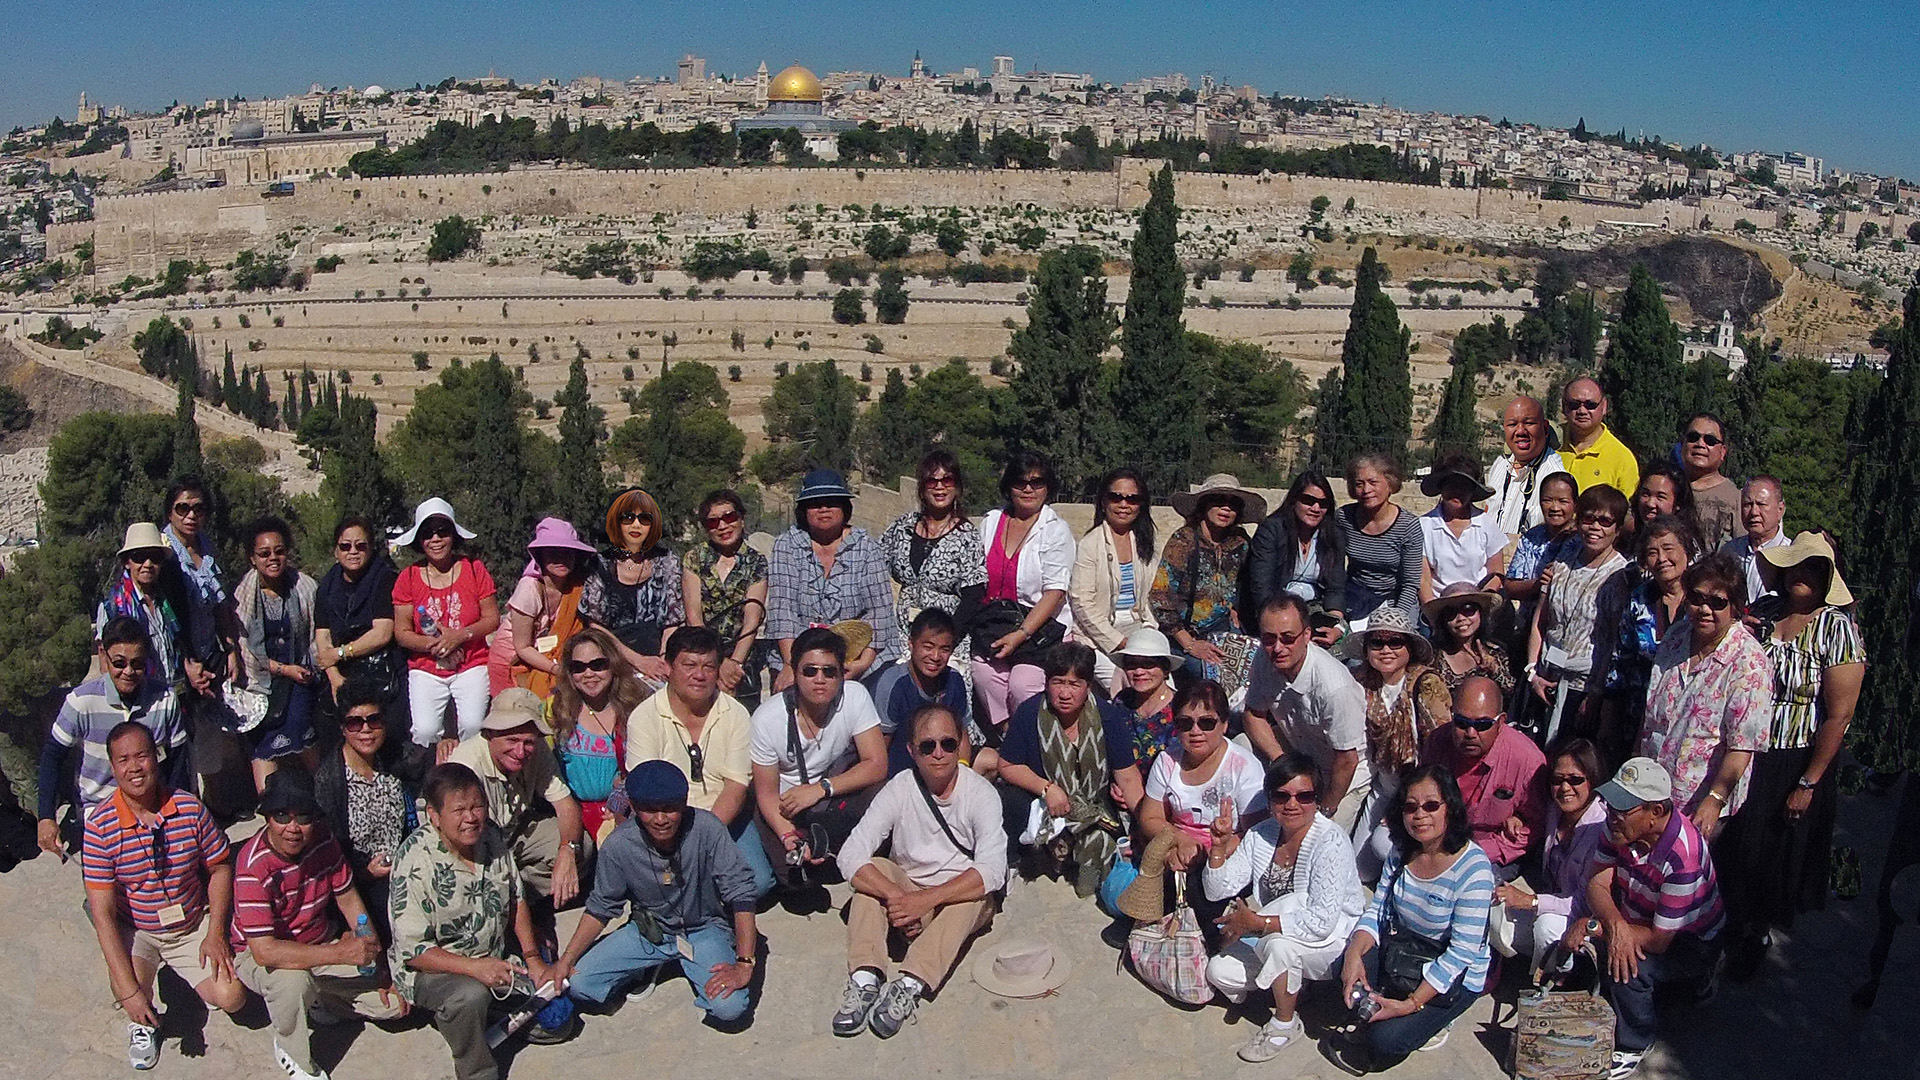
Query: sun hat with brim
{"type": "Point", "coordinates": [432, 508]}
{"type": "Point", "coordinates": [1022, 969]}
{"type": "Point", "coordinates": [823, 484]}
{"type": "Point", "coordinates": [857, 633]}
{"type": "Point", "coordinates": [1252, 506]}
{"type": "Point", "coordinates": [1432, 483]}
{"type": "Point", "coordinates": [143, 536]}
{"type": "Point", "coordinates": [1146, 643]}
{"type": "Point", "coordinates": [1460, 592]}
{"type": "Point", "coordinates": [1146, 898]}
{"type": "Point", "coordinates": [514, 708]}
{"type": "Point", "coordinates": [1639, 781]}
{"type": "Point", "coordinates": [1391, 620]}
{"type": "Point", "coordinates": [289, 790]}
{"type": "Point", "coordinates": [1807, 545]}
{"type": "Point", "coordinates": [557, 535]}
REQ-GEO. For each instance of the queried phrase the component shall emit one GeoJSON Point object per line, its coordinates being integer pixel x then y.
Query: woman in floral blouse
{"type": "Point", "coordinates": [935, 554]}
{"type": "Point", "coordinates": [637, 594]}
{"type": "Point", "coordinates": [1196, 592]}
{"type": "Point", "coordinates": [1462, 648]}
{"type": "Point", "coordinates": [725, 582]}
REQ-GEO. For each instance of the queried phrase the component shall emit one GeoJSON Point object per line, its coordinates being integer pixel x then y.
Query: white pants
{"type": "Point", "coordinates": [1371, 841]}
{"type": "Point", "coordinates": [1106, 668]}
{"type": "Point", "coordinates": [1534, 932]}
{"type": "Point", "coordinates": [1243, 965]}
{"type": "Point", "coordinates": [429, 693]}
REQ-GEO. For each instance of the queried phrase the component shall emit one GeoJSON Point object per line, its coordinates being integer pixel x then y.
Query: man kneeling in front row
{"type": "Point", "coordinates": [936, 892]}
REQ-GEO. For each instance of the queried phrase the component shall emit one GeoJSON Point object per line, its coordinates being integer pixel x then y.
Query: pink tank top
{"type": "Point", "coordinates": [1003, 570]}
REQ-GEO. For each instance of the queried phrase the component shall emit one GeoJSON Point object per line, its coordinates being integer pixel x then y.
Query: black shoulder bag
{"type": "Point", "coordinates": [921, 783]}
{"type": "Point", "coordinates": [1404, 955]}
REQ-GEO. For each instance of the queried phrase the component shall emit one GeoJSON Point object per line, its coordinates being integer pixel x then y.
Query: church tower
{"type": "Point", "coordinates": [760, 86]}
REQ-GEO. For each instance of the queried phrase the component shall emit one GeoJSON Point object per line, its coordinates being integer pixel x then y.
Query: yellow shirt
{"type": "Point", "coordinates": [654, 733]}
{"type": "Point", "coordinates": [1607, 461]}
{"type": "Point", "coordinates": [509, 797]}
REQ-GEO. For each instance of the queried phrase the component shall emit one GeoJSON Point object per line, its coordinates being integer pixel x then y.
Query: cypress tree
{"type": "Point", "coordinates": [356, 479]}
{"type": "Point", "coordinates": [1056, 405]}
{"type": "Point", "coordinates": [1374, 412]}
{"type": "Point", "coordinates": [497, 500]}
{"type": "Point", "coordinates": [1456, 428]}
{"type": "Point", "coordinates": [229, 390]}
{"type": "Point", "coordinates": [1643, 373]}
{"type": "Point", "coordinates": [1158, 393]}
{"type": "Point", "coordinates": [580, 494]}
{"type": "Point", "coordinates": [889, 439]}
{"type": "Point", "coordinates": [306, 394]}
{"type": "Point", "coordinates": [187, 459]}
{"type": "Point", "coordinates": [263, 410]}
{"type": "Point", "coordinates": [1885, 499]}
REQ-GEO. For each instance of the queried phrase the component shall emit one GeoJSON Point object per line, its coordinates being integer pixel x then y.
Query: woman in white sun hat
{"type": "Point", "coordinates": [444, 606]}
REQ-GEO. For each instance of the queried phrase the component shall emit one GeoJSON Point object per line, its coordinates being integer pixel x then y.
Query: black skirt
{"type": "Point", "coordinates": [1775, 867]}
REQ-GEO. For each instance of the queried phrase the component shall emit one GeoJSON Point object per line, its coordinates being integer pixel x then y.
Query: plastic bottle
{"type": "Point", "coordinates": [362, 929]}
{"type": "Point", "coordinates": [424, 621]}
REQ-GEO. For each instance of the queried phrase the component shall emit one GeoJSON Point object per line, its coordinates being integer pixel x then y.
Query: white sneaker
{"type": "Point", "coordinates": [143, 1046]}
{"type": "Point", "coordinates": [1439, 1039]}
{"type": "Point", "coordinates": [295, 1072]}
{"type": "Point", "coordinates": [1267, 1042]}
{"type": "Point", "coordinates": [644, 989]}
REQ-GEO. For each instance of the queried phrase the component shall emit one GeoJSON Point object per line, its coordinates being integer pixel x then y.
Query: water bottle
{"type": "Point", "coordinates": [424, 621]}
{"type": "Point", "coordinates": [362, 929]}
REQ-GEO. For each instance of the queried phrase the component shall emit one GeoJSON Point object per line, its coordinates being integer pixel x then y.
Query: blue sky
{"type": "Point", "coordinates": [1829, 79]}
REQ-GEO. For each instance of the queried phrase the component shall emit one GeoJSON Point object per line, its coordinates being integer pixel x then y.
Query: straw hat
{"type": "Point", "coordinates": [143, 536]}
{"type": "Point", "coordinates": [1022, 969]}
{"type": "Point", "coordinates": [1252, 506]}
{"type": "Point", "coordinates": [432, 508]}
{"type": "Point", "coordinates": [1454, 594]}
{"type": "Point", "coordinates": [1391, 620]}
{"type": "Point", "coordinates": [1146, 898]}
{"type": "Point", "coordinates": [856, 633]}
{"type": "Point", "coordinates": [1807, 545]}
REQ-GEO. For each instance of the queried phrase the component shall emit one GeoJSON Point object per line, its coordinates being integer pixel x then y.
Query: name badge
{"type": "Point", "coordinates": [172, 916]}
{"type": "Point", "coordinates": [684, 946]}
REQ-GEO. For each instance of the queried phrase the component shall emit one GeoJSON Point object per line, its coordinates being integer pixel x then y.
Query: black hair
{"type": "Point", "coordinates": [447, 780]}
{"type": "Point", "coordinates": [933, 620]}
{"type": "Point", "coordinates": [942, 459]}
{"type": "Point", "coordinates": [1682, 487]}
{"type": "Point", "coordinates": [125, 630]}
{"type": "Point", "coordinates": [1068, 658]}
{"type": "Point", "coordinates": [1561, 477]}
{"type": "Point", "coordinates": [129, 727]}
{"type": "Point", "coordinates": [819, 639]}
{"type": "Point", "coordinates": [261, 526]}
{"type": "Point", "coordinates": [1142, 525]}
{"type": "Point", "coordinates": [355, 521]}
{"type": "Point", "coordinates": [180, 487]}
{"type": "Point", "coordinates": [1723, 570]}
{"type": "Point", "coordinates": [1289, 767]}
{"type": "Point", "coordinates": [1201, 692]}
{"type": "Point", "coordinates": [1459, 831]}
{"type": "Point", "coordinates": [1674, 525]}
{"type": "Point", "coordinates": [358, 692]}
{"type": "Point", "coordinates": [1022, 462]}
{"type": "Point", "coordinates": [715, 498]}
{"type": "Point", "coordinates": [931, 709]}
{"type": "Point", "coordinates": [1584, 753]}
{"type": "Point", "coordinates": [698, 640]}
{"type": "Point", "coordinates": [1710, 418]}
{"type": "Point", "coordinates": [1279, 602]}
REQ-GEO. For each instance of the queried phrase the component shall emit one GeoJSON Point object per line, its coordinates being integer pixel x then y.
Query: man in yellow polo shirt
{"type": "Point", "coordinates": [1588, 450]}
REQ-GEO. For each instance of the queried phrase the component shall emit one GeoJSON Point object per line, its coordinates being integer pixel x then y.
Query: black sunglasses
{"type": "Point", "coordinates": [1431, 806]}
{"type": "Point", "coordinates": [1282, 798]}
{"type": "Point", "coordinates": [1474, 723]}
{"type": "Point", "coordinates": [434, 532]}
{"type": "Point", "coordinates": [351, 721]}
{"type": "Point", "coordinates": [598, 663]}
{"type": "Point", "coordinates": [1707, 437]}
{"type": "Point", "coordinates": [820, 671]}
{"type": "Point", "coordinates": [1315, 500]}
{"type": "Point", "coordinates": [1204, 723]}
{"type": "Point", "coordinates": [632, 516]}
{"type": "Point", "coordinates": [355, 545]}
{"type": "Point", "coordinates": [186, 509]}
{"type": "Point", "coordinates": [160, 850]}
{"type": "Point", "coordinates": [948, 744]}
{"type": "Point", "coordinates": [727, 518]}
{"type": "Point", "coordinates": [1571, 779]}
{"type": "Point", "coordinates": [1125, 500]}
{"type": "Point", "coordinates": [288, 817]}
{"type": "Point", "coordinates": [1573, 404]}
{"type": "Point", "coordinates": [1710, 601]}
{"type": "Point", "coordinates": [697, 758]}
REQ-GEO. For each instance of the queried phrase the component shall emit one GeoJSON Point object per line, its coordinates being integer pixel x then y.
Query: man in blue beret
{"type": "Point", "coordinates": [689, 895]}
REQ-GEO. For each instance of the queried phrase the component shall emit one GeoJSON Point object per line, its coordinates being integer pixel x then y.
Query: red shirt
{"type": "Point", "coordinates": [117, 853]}
{"type": "Point", "coordinates": [292, 901]}
{"type": "Point", "coordinates": [1509, 782]}
{"type": "Point", "coordinates": [450, 608]}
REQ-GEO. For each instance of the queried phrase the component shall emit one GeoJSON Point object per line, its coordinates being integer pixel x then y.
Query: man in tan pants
{"type": "Point", "coordinates": [949, 862]}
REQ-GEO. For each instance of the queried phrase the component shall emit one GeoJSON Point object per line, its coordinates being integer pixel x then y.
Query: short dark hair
{"type": "Point", "coordinates": [1585, 755]}
{"type": "Point", "coordinates": [1289, 767]}
{"type": "Point", "coordinates": [355, 521]}
{"type": "Point", "coordinates": [1601, 497]}
{"type": "Point", "coordinates": [932, 620]}
{"type": "Point", "coordinates": [926, 712]}
{"type": "Point", "coordinates": [819, 639]}
{"type": "Point", "coordinates": [942, 459]}
{"type": "Point", "coordinates": [1561, 477]}
{"type": "Point", "coordinates": [1459, 832]}
{"type": "Point", "coordinates": [1707, 416]}
{"type": "Point", "coordinates": [261, 526]}
{"type": "Point", "coordinates": [358, 692]}
{"type": "Point", "coordinates": [1672, 525]}
{"type": "Point", "coordinates": [1200, 692]}
{"type": "Point", "coordinates": [1022, 462]}
{"type": "Point", "coordinates": [180, 487]}
{"type": "Point", "coordinates": [699, 640]}
{"type": "Point", "coordinates": [130, 727]}
{"type": "Point", "coordinates": [1068, 658]}
{"type": "Point", "coordinates": [1280, 602]}
{"type": "Point", "coordinates": [715, 498]}
{"type": "Point", "coordinates": [1719, 569]}
{"type": "Point", "coordinates": [447, 780]}
{"type": "Point", "coordinates": [1142, 525]}
{"type": "Point", "coordinates": [125, 630]}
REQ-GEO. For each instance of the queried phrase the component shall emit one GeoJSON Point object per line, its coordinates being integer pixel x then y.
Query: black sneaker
{"type": "Point", "coordinates": [856, 1004]}
{"type": "Point", "coordinates": [895, 1007]}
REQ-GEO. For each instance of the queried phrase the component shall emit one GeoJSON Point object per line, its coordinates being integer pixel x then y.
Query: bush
{"type": "Point", "coordinates": [849, 308]}
{"type": "Point", "coordinates": [420, 361]}
{"type": "Point", "coordinates": [327, 264]}
{"type": "Point", "coordinates": [873, 346]}
{"type": "Point", "coordinates": [452, 238]}
{"type": "Point", "coordinates": [733, 372]}
{"type": "Point", "coordinates": [15, 413]}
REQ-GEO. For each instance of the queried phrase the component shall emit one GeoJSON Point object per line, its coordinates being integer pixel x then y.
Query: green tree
{"type": "Point", "coordinates": [849, 307]}
{"type": "Point", "coordinates": [186, 429]}
{"type": "Point", "coordinates": [452, 238]}
{"type": "Point", "coordinates": [46, 635]}
{"type": "Point", "coordinates": [1374, 413]}
{"type": "Point", "coordinates": [1885, 555]}
{"type": "Point", "coordinates": [1056, 401]}
{"type": "Point", "coordinates": [1643, 369]}
{"type": "Point", "coordinates": [1326, 407]}
{"type": "Point", "coordinates": [890, 299]}
{"type": "Point", "coordinates": [950, 237]}
{"type": "Point", "coordinates": [810, 417]}
{"type": "Point", "coordinates": [1456, 428]}
{"type": "Point", "coordinates": [15, 413]}
{"type": "Point", "coordinates": [1253, 401]}
{"type": "Point", "coordinates": [888, 440]}
{"type": "Point", "coordinates": [104, 472]}
{"type": "Point", "coordinates": [356, 479]}
{"type": "Point", "coordinates": [1158, 393]}
{"type": "Point", "coordinates": [682, 441]}
{"type": "Point", "coordinates": [884, 245]}
{"type": "Point", "coordinates": [580, 495]}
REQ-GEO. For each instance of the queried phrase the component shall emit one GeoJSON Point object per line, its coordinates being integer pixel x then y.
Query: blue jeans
{"type": "Point", "coordinates": [747, 839]}
{"type": "Point", "coordinates": [1390, 1041]}
{"type": "Point", "coordinates": [1687, 957]}
{"type": "Point", "coordinates": [621, 956]}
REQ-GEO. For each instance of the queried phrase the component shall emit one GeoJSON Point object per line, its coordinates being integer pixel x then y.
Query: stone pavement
{"type": "Point", "coordinates": [1794, 1023]}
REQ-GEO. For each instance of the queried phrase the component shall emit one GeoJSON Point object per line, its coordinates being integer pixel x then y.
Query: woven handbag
{"type": "Point", "coordinates": [1562, 1035]}
{"type": "Point", "coordinates": [1170, 955]}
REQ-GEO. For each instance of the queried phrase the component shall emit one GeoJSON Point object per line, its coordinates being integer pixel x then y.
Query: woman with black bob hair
{"type": "Point", "coordinates": [274, 604]}
{"type": "Point", "coordinates": [353, 612]}
{"type": "Point", "coordinates": [1029, 555]}
{"type": "Point", "coordinates": [1298, 550]}
{"type": "Point", "coordinates": [1420, 956]}
{"type": "Point", "coordinates": [367, 786]}
{"type": "Point", "coordinates": [1113, 570]}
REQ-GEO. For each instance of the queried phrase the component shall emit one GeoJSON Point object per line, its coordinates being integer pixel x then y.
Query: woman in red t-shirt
{"type": "Point", "coordinates": [443, 609]}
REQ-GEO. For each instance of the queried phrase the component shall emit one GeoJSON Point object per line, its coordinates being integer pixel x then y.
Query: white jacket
{"type": "Point", "coordinates": [1046, 557]}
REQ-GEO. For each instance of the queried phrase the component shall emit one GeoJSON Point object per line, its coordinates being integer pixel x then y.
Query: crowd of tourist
{"type": "Point", "coordinates": [1579, 702]}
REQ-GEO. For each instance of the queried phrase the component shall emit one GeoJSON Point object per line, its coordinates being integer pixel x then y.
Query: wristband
{"type": "Point", "coordinates": [826, 785]}
{"type": "Point", "coordinates": [747, 960]}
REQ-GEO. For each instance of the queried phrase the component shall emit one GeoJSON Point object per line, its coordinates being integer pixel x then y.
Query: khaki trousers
{"type": "Point", "coordinates": [930, 956]}
{"type": "Point", "coordinates": [291, 992]}
{"type": "Point", "coordinates": [536, 846]}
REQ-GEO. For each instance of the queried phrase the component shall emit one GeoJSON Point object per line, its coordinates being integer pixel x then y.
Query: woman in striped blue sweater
{"type": "Point", "coordinates": [1419, 956]}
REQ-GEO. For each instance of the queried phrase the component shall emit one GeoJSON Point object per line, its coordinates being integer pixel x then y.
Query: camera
{"type": "Point", "coordinates": [801, 853]}
{"type": "Point", "coordinates": [1363, 1004]}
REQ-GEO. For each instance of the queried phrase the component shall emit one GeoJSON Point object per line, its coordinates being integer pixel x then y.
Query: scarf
{"type": "Point", "coordinates": [1397, 734]}
{"type": "Point", "coordinates": [353, 605]}
{"type": "Point", "coordinates": [299, 619]}
{"type": "Point", "coordinates": [1079, 768]}
{"type": "Point", "coordinates": [566, 623]}
{"type": "Point", "coordinates": [125, 599]}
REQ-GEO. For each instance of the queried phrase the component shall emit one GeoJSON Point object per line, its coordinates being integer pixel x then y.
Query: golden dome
{"type": "Point", "coordinates": [795, 84]}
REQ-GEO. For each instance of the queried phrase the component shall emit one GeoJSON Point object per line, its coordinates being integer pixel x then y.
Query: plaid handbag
{"type": "Point", "coordinates": [1170, 955]}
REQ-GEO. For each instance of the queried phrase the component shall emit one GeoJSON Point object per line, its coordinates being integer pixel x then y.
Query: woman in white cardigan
{"type": "Point", "coordinates": [1113, 571]}
{"type": "Point", "coordinates": [1029, 552]}
{"type": "Point", "coordinates": [1306, 900]}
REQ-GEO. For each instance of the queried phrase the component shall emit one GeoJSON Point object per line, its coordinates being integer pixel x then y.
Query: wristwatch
{"type": "Point", "coordinates": [747, 960]}
{"type": "Point", "coordinates": [1805, 784]}
{"type": "Point", "coordinates": [826, 785]}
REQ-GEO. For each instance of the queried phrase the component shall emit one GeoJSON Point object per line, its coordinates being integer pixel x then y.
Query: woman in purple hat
{"type": "Point", "coordinates": [543, 611]}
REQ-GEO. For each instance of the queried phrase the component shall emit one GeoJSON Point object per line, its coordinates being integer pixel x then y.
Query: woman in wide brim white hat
{"type": "Point", "coordinates": [435, 507]}
{"type": "Point", "coordinates": [147, 587]}
{"type": "Point", "coordinates": [444, 606]}
{"type": "Point", "coordinates": [1022, 969]}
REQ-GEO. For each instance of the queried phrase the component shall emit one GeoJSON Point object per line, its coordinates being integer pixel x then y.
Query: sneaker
{"type": "Point", "coordinates": [143, 1046]}
{"type": "Point", "coordinates": [1268, 1041]}
{"type": "Point", "coordinates": [1351, 1058]}
{"type": "Point", "coordinates": [554, 1024]}
{"type": "Point", "coordinates": [895, 1006]}
{"type": "Point", "coordinates": [855, 1006]}
{"type": "Point", "coordinates": [1439, 1039]}
{"type": "Point", "coordinates": [644, 989]}
{"type": "Point", "coordinates": [294, 1072]}
{"type": "Point", "coordinates": [1624, 1064]}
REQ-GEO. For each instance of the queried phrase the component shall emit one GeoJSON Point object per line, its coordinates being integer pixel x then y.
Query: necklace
{"type": "Point", "coordinates": [924, 526]}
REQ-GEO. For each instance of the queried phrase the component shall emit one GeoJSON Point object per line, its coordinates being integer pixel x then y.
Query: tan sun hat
{"type": "Point", "coordinates": [1146, 898]}
{"type": "Point", "coordinates": [1253, 508]}
{"type": "Point", "coordinates": [857, 633]}
{"type": "Point", "coordinates": [1022, 969]}
{"type": "Point", "coordinates": [1807, 545]}
{"type": "Point", "coordinates": [143, 536]}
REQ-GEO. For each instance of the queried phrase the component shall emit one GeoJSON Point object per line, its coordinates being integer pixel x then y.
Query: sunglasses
{"type": "Point", "coordinates": [1029, 483]}
{"type": "Point", "coordinates": [1284, 639]}
{"type": "Point", "coordinates": [632, 516]}
{"type": "Point", "coordinates": [269, 553]}
{"type": "Point", "coordinates": [598, 663]}
{"type": "Point", "coordinates": [947, 744]}
{"type": "Point", "coordinates": [1605, 521]}
{"type": "Point", "coordinates": [1474, 723]}
{"type": "Point", "coordinates": [697, 757]}
{"type": "Point", "coordinates": [820, 671]}
{"type": "Point", "coordinates": [354, 545]}
{"type": "Point", "coordinates": [188, 509]}
{"type": "Point", "coordinates": [356, 721]}
{"type": "Point", "coordinates": [1572, 779]}
{"type": "Point", "coordinates": [1710, 601]}
{"type": "Point", "coordinates": [1579, 404]}
{"type": "Point", "coordinates": [939, 482]}
{"type": "Point", "coordinates": [1315, 500]}
{"type": "Point", "coordinates": [120, 664]}
{"type": "Point", "coordinates": [1134, 499]}
{"type": "Point", "coordinates": [1135, 663]}
{"type": "Point", "coordinates": [727, 518]}
{"type": "Point", "coordinates": [1707, 437]}
{"type": "Point", "coordinates": [289, 817]}
{"type": "Point", "coordinates": [1386, 641]}
{"type": "Point", "coordinates": [146, 556]}
{"type": "Point", "coordinates": [435, 532]}
{"type": "Point", "coordinates": [159, 850]}
{"type": "Point", "coordinates": [1282, 798]}
{"type": "Point", "coordinates": [1204, 723]}
{"type": "Point", "coordinates": [1431, 806]}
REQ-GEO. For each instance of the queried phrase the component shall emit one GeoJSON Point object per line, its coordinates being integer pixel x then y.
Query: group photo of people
{"type": "Point", "coordinates": [1337, 767]}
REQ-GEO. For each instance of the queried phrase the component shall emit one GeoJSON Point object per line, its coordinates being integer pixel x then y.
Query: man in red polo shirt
{"type": "Point", "coordinates": [159, 890]}
{"type": "Point", "coordinates": [288, 879]}
{"type": "Point", "coordinates": [1501, 773]}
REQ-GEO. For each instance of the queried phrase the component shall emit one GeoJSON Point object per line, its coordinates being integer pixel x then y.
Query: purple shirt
{"type": "Point", "coordinates": [1508, 782]}
{"type": "Point", "coordinates": [1672, 887]}
{"type": "Point", "coordinates": [1569, 866]}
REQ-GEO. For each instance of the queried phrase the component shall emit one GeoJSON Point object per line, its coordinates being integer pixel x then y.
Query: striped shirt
{"type": "Point", "coordinates": [1799, 665]}
{"type": "Point", "coordinates": [1450, 909]}
{"type": "Point", "coordinates": [1672, 887]}
{"type": "Point", "coordinates": [116, 852]}
{"type": "Point", "coordinates": [799, 595]}
{"type": "Point", "coordinates": [291, 901]}
{"type": "Point", "coordinates": [1383, 569]}
{"type": "Point", "coordinates": [91, 711]}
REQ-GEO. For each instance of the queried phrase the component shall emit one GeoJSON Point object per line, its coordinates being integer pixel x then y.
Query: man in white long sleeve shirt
{"type": "Point", "coordinates": [937, 891]}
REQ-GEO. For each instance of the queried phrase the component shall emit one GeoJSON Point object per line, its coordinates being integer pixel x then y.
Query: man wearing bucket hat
{"type": "Point", "coordinates": [822, 572]}
{"type": "Point", "coordinates": [1464, 544]}
{"type": "Point", "coordinates": [1196, 591]}
{"type": "Point", "coordinates": [1502, 773]}
{"type": "Point", "coordinates": [526, 796]}
{"type": "Point", "coordinates": [1655, 903]}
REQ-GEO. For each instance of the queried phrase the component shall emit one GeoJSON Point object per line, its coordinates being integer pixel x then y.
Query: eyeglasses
{"type": "Point", "coordinates": [1452, 613]}
{"type": "Point", "coordinates": [159, 851]}
{"type": "Point", "coordinates": [1706, 437]}
{"type": "Point", "coordinates": [1386, 641]}
{"type": "Point", "coordinates": [270, 553]}
{"type": "Point", "coordinates": [697, 757]}
{"type": "Point", "coordinates": [1710, 601]}
{"type": "Point", "coordinates": [1431, 806]}
{"type": "Point", "coordinates": [1282, 798]}
{"type": "Point", "coordinates": [355, 721]}
{"type": "Point", "coordinates": [598, 663]}
{"type": "Point", "coordinates": [1135, 663]}
{"type": "Point", "coordinates": [289, 817]}
{"type": "Point", "coordinates": [1605, 521]}
{"type": "Point", "coordinates": [118, 663]}
{"type": "Point", "coordinates": [1028, 483]}
{"type": "Point", "coordinates": [820, 671]}
{"type": "Point", "coordinates": [354, 545]}
{"type": "Point", "coordinates": [1474, 723]}
{"type": "Point", "coordinates": [726, 518]}
{"type": "Point", "coordinates": [147, 555]}
{"type": "Point", "coordinates": [631, 516]}
{"type": "Point", "coordinates": [1572, 779]}
{"type": "Point", "coordinates": [947, 744]}
{"type": "Point", "coordinates": [1126, 498]}
{"type": "Point", "coordinates": [1204, 723]}
{"type": "Point", "coordinates": [1288, 640]}
{"type": "Point", "coordinates": [1579, 404]}
{"type": "Point", "coordinates": [189, 509]}
{"type": "Point", "coordinates": [940, 482]}
{"type": "Point", "coordinates": [1315, 500]}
